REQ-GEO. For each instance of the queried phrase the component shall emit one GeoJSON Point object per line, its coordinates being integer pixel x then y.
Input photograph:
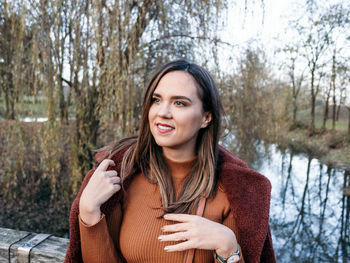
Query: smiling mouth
{"type": "Point", "coordinates": [164, 128]}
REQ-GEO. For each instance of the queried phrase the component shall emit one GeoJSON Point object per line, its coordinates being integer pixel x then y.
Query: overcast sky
{"type": "Point", "coordinates": [256, 25]}
{"type": "Point", "coordinates": [263, 25]}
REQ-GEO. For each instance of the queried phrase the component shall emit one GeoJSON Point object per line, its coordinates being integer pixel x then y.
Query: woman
{"type": "Point", "coordinates": [140, 204]}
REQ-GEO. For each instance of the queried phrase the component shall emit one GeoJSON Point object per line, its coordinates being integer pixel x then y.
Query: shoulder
{"type": "Point", "coordinates": [105, 154]}
{"type": "Point", "coordinates": [226, 157]}
{"type": "Point", "coordinates": [116, 150]}
{"type": "Point", "coordinates": [233, 172]}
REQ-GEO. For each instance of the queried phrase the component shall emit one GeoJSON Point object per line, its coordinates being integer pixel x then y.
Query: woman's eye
{"type": "Point", "coordinates": [180, 103]}
{"type": "Point", "coordinates": [155, 100]}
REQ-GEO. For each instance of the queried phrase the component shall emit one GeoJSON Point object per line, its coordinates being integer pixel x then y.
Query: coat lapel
{"type": "Point", "coordinates": [249, 195]}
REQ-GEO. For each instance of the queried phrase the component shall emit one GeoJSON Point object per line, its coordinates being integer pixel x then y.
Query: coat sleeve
{"type": "Point", "coordinates": [268, 254]}
{"type": "Point", "coordinates": [73, 254]}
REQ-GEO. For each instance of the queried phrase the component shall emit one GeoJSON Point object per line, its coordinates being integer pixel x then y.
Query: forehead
{"type": "Point", "coordinates": [178, 83]}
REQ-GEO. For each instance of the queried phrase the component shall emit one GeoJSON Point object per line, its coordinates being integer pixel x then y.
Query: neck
{"type": "Point", "coordinates": [178, 156]}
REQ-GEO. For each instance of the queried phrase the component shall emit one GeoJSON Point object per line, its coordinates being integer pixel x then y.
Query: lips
{"type": "Point", "coordinates": [164, 128]}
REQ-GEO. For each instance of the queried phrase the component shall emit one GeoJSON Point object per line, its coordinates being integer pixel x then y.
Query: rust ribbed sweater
{"type": "Point", "coordinates": [133, 228]}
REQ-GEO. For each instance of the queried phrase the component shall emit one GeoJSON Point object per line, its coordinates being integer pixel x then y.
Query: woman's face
{"type": "Point", "coordinates": [176, 115]}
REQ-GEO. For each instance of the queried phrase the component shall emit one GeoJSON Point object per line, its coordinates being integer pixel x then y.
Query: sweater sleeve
{"type": "Point", "coordinates": [96, 243]}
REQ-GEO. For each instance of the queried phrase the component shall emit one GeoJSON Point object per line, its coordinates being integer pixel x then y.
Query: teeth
{"type": "Point", "coordinates": [164, 127]}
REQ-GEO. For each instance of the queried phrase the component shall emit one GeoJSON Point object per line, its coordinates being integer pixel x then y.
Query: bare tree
{"type": "Point", "coordinates": [13, 44]}
{"type": "Point", "coordinates": [248, 100]}
{"type": "Point", "coordinates": [111, 45]}
{"type": "Point", "coordinates": [295, 78]}
{"type": "Point", "coordinates": [316, 39]}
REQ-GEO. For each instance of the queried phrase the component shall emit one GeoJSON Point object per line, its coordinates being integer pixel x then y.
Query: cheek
{"type": "Point", "coordinates": [191, 122]}
{"type": "Point", "coordinates": [150, 115]}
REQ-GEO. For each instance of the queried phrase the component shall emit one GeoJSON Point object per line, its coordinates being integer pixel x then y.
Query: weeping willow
{"type": "Point", "coordinates": [86, 63]}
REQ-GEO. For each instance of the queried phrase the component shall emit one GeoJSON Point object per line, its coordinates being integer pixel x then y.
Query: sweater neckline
{"type": "Point", "coordinates": [179, 169]}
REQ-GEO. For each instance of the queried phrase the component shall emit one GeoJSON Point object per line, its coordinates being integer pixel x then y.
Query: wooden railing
{"type": "Point", "coordinates": [21, 247]}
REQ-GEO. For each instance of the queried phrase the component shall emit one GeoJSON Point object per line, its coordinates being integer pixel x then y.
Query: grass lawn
{"type": "Point", "coordinates": [331, 147]}
{"type": "Point", "coordinates": [304, 116]}
{"type": "Point", "coordinates": [30, 106]}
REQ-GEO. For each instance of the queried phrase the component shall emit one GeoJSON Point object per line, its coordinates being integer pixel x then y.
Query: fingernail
{"type": "Point", "coordinates": [163, 228]}
{"type": "Point", "coordinates": [165, 216]}
{"type": "Point", "coordinates": [166, 248]}
{"type": "Point", "coordinates": [160, 238]}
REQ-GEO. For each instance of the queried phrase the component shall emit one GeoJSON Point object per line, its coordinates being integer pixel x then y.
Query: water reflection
{"type": "Point", "coordinates": [309, 212]}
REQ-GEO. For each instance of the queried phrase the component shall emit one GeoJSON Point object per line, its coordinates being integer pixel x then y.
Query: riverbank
{"type": "Point", "coordinates": [330, 147]}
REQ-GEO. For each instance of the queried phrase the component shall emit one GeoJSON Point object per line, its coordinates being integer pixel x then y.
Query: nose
{"type": "Point", "coordinates": [164, 110]}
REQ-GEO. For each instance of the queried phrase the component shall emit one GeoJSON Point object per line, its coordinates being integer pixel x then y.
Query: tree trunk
{"type": "Point", "coordinates": [87, 113]}
{"type": "Point", "coordinates": [9, 104]}
{"type": "Point", "coordinates": [334, 113]}
{"type": "Point", "coordinates": [62, 104]}
{"type": "Point", "coordinates": [338, 112]}
{"type": "Point", "coordinates": [313, 101]}
{"type": "Point", "coordinates": [48, 66]}
{"type": "Point", "coordinates": [313, 106]}
{"type": "Point", "coordinates": [295, 108]}
{"type": "Point", "coordinates": [348, 120]}
{"type": "Point", "coordinates": [334, 95]}
{"type": "Point", "coordinates": [326, 110]}
{"type": "Point", "coordinates": [8, 88]}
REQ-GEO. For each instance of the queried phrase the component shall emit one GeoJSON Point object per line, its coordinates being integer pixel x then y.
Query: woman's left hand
{"type": "Point", "coordinates": [198, 232]}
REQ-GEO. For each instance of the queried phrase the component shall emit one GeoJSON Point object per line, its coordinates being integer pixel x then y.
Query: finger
{"type": "Point", "coordinates": [111, 173]}
{"type": "Point", "coordinates": [115, 180]}
{"type": "Point", "coordinates": [176, 227]}
{"type": "Point", "coordinates": [179, 217]}
{"type": "Point", "coordinates": [104, 164]}
{"type": "Point", "coordinates": [180, 246]}
{"type": "Point", "coordinates": [179, 236]}
{"type": "Point", "coordinates": [116, 187]}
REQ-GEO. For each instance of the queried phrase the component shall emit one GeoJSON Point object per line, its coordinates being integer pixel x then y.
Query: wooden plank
{"type": "Point", "coordinates": [7, 237]}
{"type": "Point", "coordinates": [51, 250]}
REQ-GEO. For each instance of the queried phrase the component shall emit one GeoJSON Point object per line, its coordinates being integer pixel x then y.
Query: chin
{"type": "Point", "coordinates": [161, 143]}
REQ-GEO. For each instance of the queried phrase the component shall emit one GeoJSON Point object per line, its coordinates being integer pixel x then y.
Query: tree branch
{"type": "Point", "coordinates": [215, 40]}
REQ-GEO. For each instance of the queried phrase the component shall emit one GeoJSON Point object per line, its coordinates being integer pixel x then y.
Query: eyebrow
{"type": "Point", "coordinates": [174, 97]}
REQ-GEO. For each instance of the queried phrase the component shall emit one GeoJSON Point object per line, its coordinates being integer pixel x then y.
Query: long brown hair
{"type": "Point", "coordinates": [144, 155]}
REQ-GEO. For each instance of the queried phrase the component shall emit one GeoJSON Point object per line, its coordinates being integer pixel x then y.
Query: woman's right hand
{"type": "Point", "coordinates": [102, 185]}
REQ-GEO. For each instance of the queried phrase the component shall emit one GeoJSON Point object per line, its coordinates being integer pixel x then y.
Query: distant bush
{"type": "Point", "coordinates": [35, 186]}
{"type": "Point", "coordinates": [297, 125]}
{"type": "Point", "coordinates": [37, 179]}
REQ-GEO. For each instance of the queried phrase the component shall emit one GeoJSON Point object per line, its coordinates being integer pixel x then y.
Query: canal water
{"type": "Point", "coordinates": [309, 212]}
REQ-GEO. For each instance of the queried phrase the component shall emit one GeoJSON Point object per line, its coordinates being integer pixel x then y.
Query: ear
{"type": "Point", "coordinates": [206, 119]}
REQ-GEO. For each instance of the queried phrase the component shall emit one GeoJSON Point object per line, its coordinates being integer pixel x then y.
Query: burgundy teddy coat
{"type": "Point", "coordinates": [247, 191]}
